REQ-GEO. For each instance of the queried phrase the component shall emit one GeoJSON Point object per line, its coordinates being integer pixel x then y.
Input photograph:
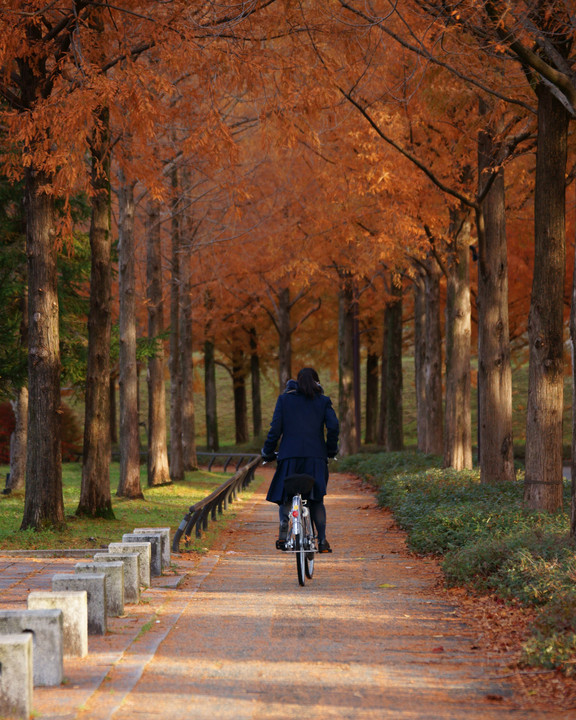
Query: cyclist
{"type": "Point", "coordinates": [305, 424]}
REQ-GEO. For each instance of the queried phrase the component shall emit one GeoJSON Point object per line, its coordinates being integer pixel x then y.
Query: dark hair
{"type": "Point", "coordinates": [309, 382]}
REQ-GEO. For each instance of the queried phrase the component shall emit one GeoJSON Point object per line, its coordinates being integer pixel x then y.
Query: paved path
{"type": "Point", "coordinates": [235, 636]}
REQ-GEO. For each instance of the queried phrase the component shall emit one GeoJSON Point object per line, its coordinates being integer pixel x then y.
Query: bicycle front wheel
{"type": "Point", "coordinates": [300, 558]}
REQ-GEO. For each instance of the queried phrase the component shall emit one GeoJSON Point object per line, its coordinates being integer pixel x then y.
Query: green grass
{"type": "Point", "coordinates": [163, 506]}
{"type": "Point", "coordinates": [487, 542]}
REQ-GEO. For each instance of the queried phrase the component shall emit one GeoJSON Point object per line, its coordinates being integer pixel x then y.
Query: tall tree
{"type": "Point", "coordinates": [95, 499]}
{"type": "Point", "coordinates": [158, 470]}
{"type": "Point", "coordinates": [255, 385]}
{"type": "Point", "coordinates": [346, 408]}
{"type": "Point", "coordinates": [129, 484]}
{"type": "Point", "coordinates": [186, 350]}
{"type": "Point", "coordinates": [543, 481]}
{"type": "Point", "coordinates": [44, 503]}
{"type": "Point", "coordinates": [394, 414]}
{"type": "Point", "coordinates": [496, 452]}
{"type": "Point", "coordinates": [458, 421]}
{"type": "Point", "coordinates": [175, 357]}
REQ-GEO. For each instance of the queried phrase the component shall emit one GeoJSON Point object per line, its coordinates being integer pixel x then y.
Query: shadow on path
{"type": "Point", "coordinates": [367, 637]}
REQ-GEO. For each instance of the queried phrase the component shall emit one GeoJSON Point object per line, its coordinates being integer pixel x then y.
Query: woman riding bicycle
{"type": "Point", "coordinates": [301, 416]}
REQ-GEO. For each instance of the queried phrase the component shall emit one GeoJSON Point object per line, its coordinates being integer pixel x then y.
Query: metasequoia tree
{"type": "Point", "coordinates": [61, 63]}
{"type": "Point", "coordinates": [95, 499]}
{"type": "Point", "coordinates": [129, 484]}
{"type": "Point", "coordinates": [26, 84]}
{"type": "Point", "coordinates": [174, 362]}
{"type": "Point", "coordinates": [489, 402]}
{"type": "Point", "coordinates": [158, 470]}
{"type": "Point", "coordinates": [540, 39]}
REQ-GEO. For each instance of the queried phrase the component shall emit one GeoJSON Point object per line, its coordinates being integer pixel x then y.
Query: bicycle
{"type": "Point", "coordinates": [300, 539]}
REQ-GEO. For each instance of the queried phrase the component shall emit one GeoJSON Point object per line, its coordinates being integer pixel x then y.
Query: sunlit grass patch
{"type": "Point", "coordinates": [163, 506]}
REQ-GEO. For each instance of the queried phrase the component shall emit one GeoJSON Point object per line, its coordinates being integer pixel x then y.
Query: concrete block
{"type": "Point", "coordinates": [114, 572]}
{"type": "Point", "coordinates": [95, 587]}
{"type": "Point", "coordinates": [131, 573]}
{"type": "Point", "coordinates": [144, 552]}
{"type": "Point", "coordinates": [155, 540]}
{"type": "Point", "coordinates": [45, 627]}
{"type": "Point", "coordinates": [74, 606]}
{"type": "Point", "coordinates": [16, 673]}
{"type": "Point", "coordinates": [165, 533]}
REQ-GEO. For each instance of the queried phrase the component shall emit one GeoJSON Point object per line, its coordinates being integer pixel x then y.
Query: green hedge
{"type": "Point", "coordinates": [487, 541]}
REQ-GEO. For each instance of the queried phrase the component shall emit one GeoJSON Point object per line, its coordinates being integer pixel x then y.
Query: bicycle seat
{"type": "Point", "coordinates": [301, 484]}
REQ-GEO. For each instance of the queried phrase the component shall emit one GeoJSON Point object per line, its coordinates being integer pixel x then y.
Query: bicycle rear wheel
{"type": "Point", "coordinates": [309, 546]}
{"type": "Point", "coordinates": [300, 558]}
{"type": "Point", "coordinates": [309, 564]}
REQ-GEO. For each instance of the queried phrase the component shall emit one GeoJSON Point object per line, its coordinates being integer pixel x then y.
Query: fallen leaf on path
{"type": "Point", "coordinates": [387, 585]}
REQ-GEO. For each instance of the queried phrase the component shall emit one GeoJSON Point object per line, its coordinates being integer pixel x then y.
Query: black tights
{"type": "Point", "coordinates": [317, 513]}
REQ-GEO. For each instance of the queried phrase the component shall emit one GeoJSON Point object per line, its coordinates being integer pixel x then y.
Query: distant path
{"type": "Point", "coordinates": [368, 637]}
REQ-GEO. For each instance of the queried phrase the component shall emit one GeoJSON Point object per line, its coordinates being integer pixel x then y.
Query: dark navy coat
{"type": "Point", "coordinates": [307, 429]}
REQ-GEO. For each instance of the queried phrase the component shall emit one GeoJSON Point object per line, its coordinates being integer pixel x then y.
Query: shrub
{"type": "Point", "coordinates": [487, 541]}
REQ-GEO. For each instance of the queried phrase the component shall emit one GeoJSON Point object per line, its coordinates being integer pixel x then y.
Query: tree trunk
{"type": "Point", "coordinates": [95, 499]}
{"type": "Point", "coordinates": [371, 431]}
{"type": "Point", "coordinates": [187, 362]}
{"type": "Point", "coordinates": [240, 404]}
{"type": "Point", "coordinates": [543, 481]}
{"type": "Point", "coordinates": [495, 451]}
{"type": "Point", "coordinates": [346, 411]}
{"type": "Point", "coordinates": [158, 471]}
{"type": "Point", "coordinates": [19, 440]}
{"type": "Point", "coordinates": [112, 394]}
{"type": "Point", "coordinates": [255, 378]}
{"type": "Point", "coordinates": [44, 504]}
{"type": "Point", "coordinates": [458, 428]}
{"type": "Point", "coordinates": [394, 421]}
{"type": "Point", "coordinates": [174, 362]}
{"type": "Point", "coordinates": [383, 385]}
{"type": "Point", "coordinates": [573, 459]}
{"type": "Point", "coordinates": [284, 338]}
{"type": "Point", "coordinates": [420, 361]}
{"type": "Point", "coordinates": [129, 485]}
{"type": "Point", "coordinates": [212, 442]}
{"type": "Point", "coordinates": [433, 360]}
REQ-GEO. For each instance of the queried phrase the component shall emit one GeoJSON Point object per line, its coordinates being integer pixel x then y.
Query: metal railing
{"type": "Point", "coordinates": [224, 459]}
{"type": "Point", "coordinates": [196, 519]}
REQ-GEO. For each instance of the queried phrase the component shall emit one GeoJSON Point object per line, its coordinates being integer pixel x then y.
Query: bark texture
{"type": "Point", "coordinates": [43, 505]}
{"type": "Point", "coordinates": [394, 419]}
{"type": "Point", "coordinates": [495, 442]}
{"type": "Point", "coordinates": [371, 421]}
{"type": "Point", "coordinates": [255, 386]}
{"type": "Point", "coordinates": [420, 361]}
{"type": "Point", "coordinates": [19, 440]}
{"type": "Point", "coordinates": [158, 470]}
{"type": "Point", "coordinates": [458, 426]}
{"type": "Point", "coordinates": [239, 389]}
{"type": "Point", "coordinates": [346, 410]}
{"type": "Point", "coordinates": [434, 443]}
{"type": "Point", "coordinates": [189, 456]}
{"type": "Point", "coordinates": [174, 362]}
{"type": "Point", "coordinates": [95, 499]}
{"type": "Point", "coordinates": [284, 337]}
{"type": "Point", "coordinates": [212, 440]}
{"type": "Point", "coordinates": [129, 485]}
{"type": "Point", "coordinates": [543, 480]}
